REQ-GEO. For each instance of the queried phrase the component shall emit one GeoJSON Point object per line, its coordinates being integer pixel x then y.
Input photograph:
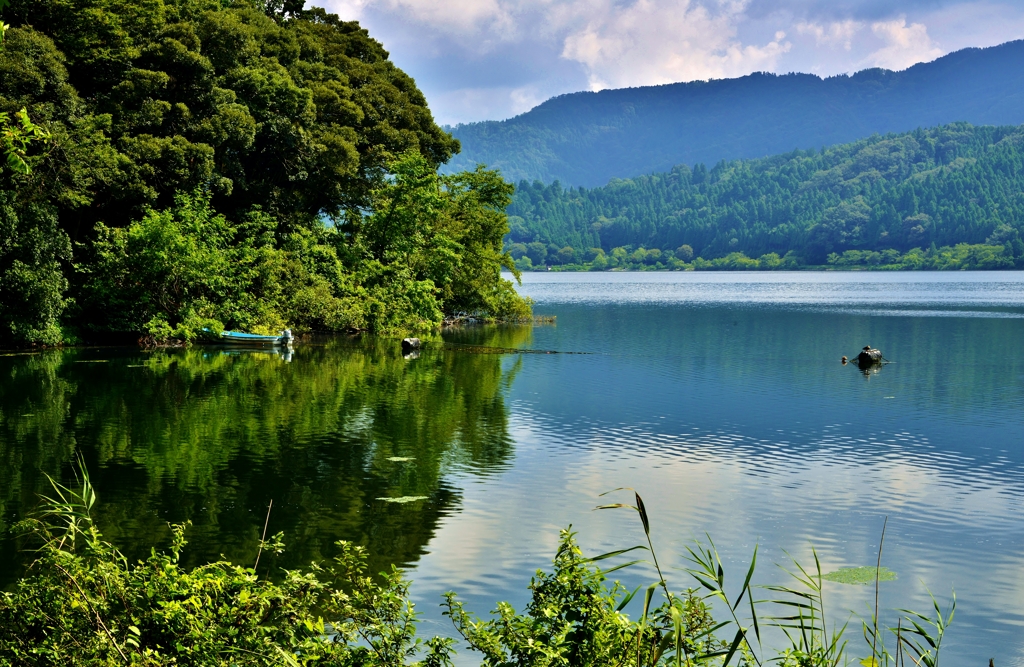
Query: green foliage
{"type": "Point", "coordinates": [860, 576]}
{"type": "Point", "coordinates": [431, 245]}
{"type": "Point", "coordinates": [575, 617]}
{"type": "Point", "coordinates": [296, 114]}
{"type": "Point", "coordinates": [32, 284]}
{"type": "Point", "coordinates": [960, 257]}
{"type": "Point", "coordinates": [243, 165]}
{"type": "Point", "coordinates": [954, 188]}
{"type": "Point", "coordinates": [180, 270]}
{"type": "Point", "coordinates": [86, 604]}
{"type": "Point", "coordinates": [16, 139]}
{"type": "Point", "coordinates": [33, 250]}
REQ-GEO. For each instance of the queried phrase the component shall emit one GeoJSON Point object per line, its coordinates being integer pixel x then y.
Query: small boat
{"type": "Point", "coordinates": [239, 338]}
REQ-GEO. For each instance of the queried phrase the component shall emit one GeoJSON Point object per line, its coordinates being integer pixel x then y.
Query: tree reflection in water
{"type": "Point", "coordinates": [210, 436]}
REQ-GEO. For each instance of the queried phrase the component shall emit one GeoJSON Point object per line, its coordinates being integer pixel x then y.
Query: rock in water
{"type": "Point", "coordinates": [869, 356]}
{"type": "Point", "coordinates": [410, 344]}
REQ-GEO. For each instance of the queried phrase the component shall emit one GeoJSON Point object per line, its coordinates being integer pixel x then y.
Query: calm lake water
{"type": "Point", "coordinates": [719, 396]}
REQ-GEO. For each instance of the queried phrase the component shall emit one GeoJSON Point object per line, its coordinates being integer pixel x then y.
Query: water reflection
{"type": "Point", "coordinates": [211, 435]}
{"type": "Point", "coordinates": [724, 401]}
{"type": "Point", "coordinates": [737, 418]}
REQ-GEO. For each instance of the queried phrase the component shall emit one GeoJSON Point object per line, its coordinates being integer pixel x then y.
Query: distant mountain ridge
{"type": "Point", "coordinates": [586, 139]}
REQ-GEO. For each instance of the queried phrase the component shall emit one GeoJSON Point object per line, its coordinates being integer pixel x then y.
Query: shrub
{"type": "Point", "coordinates": [33, 289]}
{"type": "Point", "coordinates": [85, 604]}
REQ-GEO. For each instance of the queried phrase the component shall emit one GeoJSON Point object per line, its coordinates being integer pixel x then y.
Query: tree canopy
{"type": "Point", "coordinates": [256, 138]}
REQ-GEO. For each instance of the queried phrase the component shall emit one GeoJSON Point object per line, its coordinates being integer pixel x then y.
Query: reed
{"type": "Point", "coordinates": [813, 641]}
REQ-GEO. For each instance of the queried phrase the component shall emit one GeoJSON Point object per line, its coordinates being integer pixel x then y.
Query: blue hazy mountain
{"type": "Point", "coordinates": [588, 138]}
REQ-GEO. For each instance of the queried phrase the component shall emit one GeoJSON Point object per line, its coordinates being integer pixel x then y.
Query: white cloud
{"type": "Point", "coordinates": [455, 16]}
{"type": "Point", "coordinates": [837, 33]}
{"type": "Point", "coordinates": [525, 98]}
{"type": "Point", "coordinates": [350, 10]}
{"type": "Point", "coordinates": [662, 41]}
{"type": "Point", "coordinates": [468, 104]}
{"type": "Point", "coordinates": [905, 44]}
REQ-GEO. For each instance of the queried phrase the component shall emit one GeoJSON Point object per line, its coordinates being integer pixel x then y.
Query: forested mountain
{"type": "Point", "coordinates": [955, 184]}
{"type": "Point", "coordinates": [588, 138]}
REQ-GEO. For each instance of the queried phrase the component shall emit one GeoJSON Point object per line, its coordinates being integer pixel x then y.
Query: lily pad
{"type": "Point", "coordinates": [403, 499]}
{"type": "Point", "coordinates": [859, 576]}
{"type": "Point", "coordinates": [401, 459]}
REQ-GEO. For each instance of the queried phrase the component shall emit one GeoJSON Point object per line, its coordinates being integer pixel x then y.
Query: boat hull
{"type": "Point", "coordinates": [255, 340]}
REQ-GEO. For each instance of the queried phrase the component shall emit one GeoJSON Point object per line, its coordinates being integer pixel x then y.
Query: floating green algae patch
{"type": "Point", "coordinates": [403, 499]}
{"type": "Point", "coordinates": [859, 576]}
{"type": "Point", "coordinates": [401, 459]}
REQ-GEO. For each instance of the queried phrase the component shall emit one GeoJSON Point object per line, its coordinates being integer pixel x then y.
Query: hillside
{"type": "Point", "coordinates": [588, 138]}
{"type": "Point", "coordinates": [955, 184]}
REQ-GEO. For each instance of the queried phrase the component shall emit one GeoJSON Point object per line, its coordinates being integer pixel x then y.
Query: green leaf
{"type": "Point", "coordinates": [859, 576]}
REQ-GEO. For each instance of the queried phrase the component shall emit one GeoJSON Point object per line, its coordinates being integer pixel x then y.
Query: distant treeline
{"type": "Point", "coordinates": [962, 256]}
{"type": "Point", "coordinates": [942, 198]}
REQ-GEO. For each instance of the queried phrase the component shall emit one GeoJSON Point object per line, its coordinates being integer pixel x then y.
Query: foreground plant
{"type": "Point", "coordinates": [83, 603]}
{"type": "Point", "coordinates": [576, 617]}
{"type": "Point", "coordinates": [798, 611]}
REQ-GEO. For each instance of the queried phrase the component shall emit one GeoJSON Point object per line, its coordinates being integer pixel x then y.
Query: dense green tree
{"type": "Point", "coordinates": [435, 240]}
{"type": "Point", "coordinates": [283, 127]}
{"type": "Point", "coordinates": [32, 283]}
{"type": "Point", "coordinates": [298, 114]}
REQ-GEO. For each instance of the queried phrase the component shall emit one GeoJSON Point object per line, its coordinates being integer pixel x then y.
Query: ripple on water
{"type": "Point", "coordinates": [784, 495]}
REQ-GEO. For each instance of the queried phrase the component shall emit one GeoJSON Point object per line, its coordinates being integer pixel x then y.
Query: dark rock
{"type": "Point", "coordinates": [869, 357]}
{"type": "Point", "coordinates": [410, 344]}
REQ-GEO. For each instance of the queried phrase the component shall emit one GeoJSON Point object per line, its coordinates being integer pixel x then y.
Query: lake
{"type": "Point", "coordinates": [720, 397]}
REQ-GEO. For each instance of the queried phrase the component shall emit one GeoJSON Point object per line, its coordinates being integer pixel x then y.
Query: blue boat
{"type": "Point", "coordinates": [239, 338]}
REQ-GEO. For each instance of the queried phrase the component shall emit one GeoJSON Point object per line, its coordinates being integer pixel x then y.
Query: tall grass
{"type": "Point", "coordinates": [813, 641]}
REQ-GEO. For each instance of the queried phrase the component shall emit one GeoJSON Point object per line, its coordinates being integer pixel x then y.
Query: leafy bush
{"type": "Point", "coordinates": [576, 618]}
{"type": "Point", "coordinates": [186, 268]}
{"type": "Point", "coordinates": [84, 604]}
{"type": "Point", "coordinates": [33, 288]}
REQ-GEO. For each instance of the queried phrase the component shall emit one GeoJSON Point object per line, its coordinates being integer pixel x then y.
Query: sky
{"type": "Point", "coordinates": [493, 59]}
